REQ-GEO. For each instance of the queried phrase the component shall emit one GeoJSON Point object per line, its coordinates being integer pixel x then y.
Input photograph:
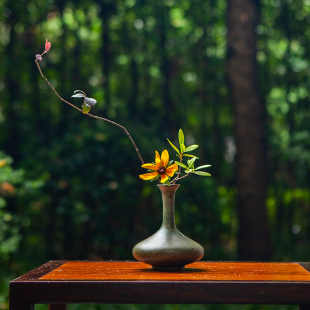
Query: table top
{"type": "Point", "coordinates": [201, 271]}
{"type": "Point", "coordinates": [201, 282]}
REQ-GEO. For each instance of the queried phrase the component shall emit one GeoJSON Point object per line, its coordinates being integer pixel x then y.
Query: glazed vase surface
{"type": "Point", "coordinates": [168, 249]}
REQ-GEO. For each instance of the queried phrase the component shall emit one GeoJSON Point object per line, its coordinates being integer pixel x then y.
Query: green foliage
{"type": "Point", "coordinates": [191, 148]}
{"type": "Point", "coordinates": [175, 148]}
{"type": "Point", "coordinates": [180, 164]}
{"type": "Point", "coordinates": [9, 229]}
{"type": "Point", "coordinates": [189, 169]}
{"type": "Point", "coordinates": [204, 174]}
{"type": "Point", "coordinates": [181, 139]}
{"type": "Point", "coordinates": [13, 188]}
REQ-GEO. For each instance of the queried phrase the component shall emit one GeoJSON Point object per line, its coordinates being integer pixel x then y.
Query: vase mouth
{"type": "Point", "coordinates": [172, 185]}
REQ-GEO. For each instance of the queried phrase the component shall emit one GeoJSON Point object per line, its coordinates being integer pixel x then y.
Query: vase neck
{"type": "Point", "coordinates": [168, 196]}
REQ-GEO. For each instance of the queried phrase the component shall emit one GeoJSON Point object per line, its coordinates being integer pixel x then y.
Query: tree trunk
{"type": "Point", "coordinates": [254, 240]}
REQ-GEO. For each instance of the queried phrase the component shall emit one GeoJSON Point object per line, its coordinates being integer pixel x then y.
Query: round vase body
{"type": "Point", "coordinates": [168, 249]}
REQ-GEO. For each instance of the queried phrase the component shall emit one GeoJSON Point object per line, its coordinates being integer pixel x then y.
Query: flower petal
{"type": "Point", "coordinates": [164, 158]}
{"type": "Point", "coordinates": [157, 160]}
{"type": "Point", "coordinates": [171, 170]}
{"type": "Point", "coordinates": [148, 176]}
{"type": "Point", "coordinates": [164, 178]}
{"type": "Point", "coordinates": [149, 166]}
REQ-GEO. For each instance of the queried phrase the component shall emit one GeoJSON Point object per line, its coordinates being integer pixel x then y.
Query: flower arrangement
{"type": "Point", "coordinates": [165, 169]}
{"type": "Point", "coordinates": [162, 169]}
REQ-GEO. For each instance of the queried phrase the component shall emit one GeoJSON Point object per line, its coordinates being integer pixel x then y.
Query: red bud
{"type": "Point", "coordinates": [47, 45]}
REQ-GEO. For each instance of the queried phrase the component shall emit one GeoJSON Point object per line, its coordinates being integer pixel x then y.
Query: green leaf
{"type": "Point", "coordinates": [167, 182]}
{"type": "Point", "coordinates": [204, 174]}
{"type": "Point", "coordinates": [155, 178]}
{"type": "Point", "coordinates": [190, 156]}
{"type": "Point", "coordinates": [181, 165]}
{"type": "Point", "coordinates": [86, 109]}
{"type": "Point", "coordinates": [181, 137]}
{"type": "Point", "coordinates": [191, 163]}
{"type": "Point", "coordinates": [182, 147]}
{"type": "Point", "coordinates": [189, 171]}
{"type": "Point", "coordinates": [191, 148]}
{"type": "Point", "coordinates": [173, 146]}
{"type": "Point", "coordinates": [201, 167]}
{"type": "Point", "coordinates": [170, 163]}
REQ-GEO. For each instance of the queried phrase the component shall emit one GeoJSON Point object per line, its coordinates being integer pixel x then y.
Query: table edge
{"type": "Point", "coordinates": [162, 292]}
{"type": "Point", "coordinates": [40, 271]}
{"type": "Point", "coordinates": [305, 265]}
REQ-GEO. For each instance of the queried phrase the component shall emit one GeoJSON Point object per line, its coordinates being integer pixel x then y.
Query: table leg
{"type": "Point", "coordinates": [57, 307]}
{"type": "Point", "coordinates": [18, 301]}
{"type": "Point", "coordinates": [304, 307]}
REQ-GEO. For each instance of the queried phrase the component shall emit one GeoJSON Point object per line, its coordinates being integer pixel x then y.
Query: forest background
{"type": "Point", "coordinates": [234, 75]}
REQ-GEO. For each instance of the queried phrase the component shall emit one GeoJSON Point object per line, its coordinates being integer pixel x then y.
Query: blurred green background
{"type": "Point", "coordinates": [69, 186]}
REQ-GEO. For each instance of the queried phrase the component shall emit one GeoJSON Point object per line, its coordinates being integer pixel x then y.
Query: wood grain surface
{"type": "Point", "coordinates": [201, 271]}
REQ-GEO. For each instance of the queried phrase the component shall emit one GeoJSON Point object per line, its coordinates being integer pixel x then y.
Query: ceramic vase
{"type": "Point", "coordinates": [168, 249]}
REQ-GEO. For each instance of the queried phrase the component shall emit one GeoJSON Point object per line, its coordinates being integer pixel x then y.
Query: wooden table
{"type": "Point", "coordinates": [58, 283]}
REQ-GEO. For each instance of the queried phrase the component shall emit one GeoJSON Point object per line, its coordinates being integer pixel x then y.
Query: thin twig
{"type": "Point", "coordinates": [177, 177]}
{"type": "Point", "coordinates": [90, 115]}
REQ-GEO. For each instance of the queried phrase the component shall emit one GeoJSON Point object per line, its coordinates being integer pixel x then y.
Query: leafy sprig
{"type": "Point", "coordinates": [190, 167]}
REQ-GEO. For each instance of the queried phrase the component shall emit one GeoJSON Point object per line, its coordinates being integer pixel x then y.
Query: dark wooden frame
{"type": "Point", "coordinates": [29, 289]}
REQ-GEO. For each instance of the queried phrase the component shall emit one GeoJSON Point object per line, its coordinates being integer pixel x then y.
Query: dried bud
{"type": "Point", "coordinates": [38, 57]}
{"type": "Point", "coordinates": [90, 101]}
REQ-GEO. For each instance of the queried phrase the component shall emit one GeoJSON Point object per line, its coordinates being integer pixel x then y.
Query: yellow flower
{"type": "Point", "coordinates": [160, 168]}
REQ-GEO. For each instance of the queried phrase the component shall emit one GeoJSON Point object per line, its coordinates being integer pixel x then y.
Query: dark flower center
{"type": "Point", "coordinates": [161, 170]}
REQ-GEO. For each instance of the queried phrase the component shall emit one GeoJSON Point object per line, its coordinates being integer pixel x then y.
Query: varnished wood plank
{"type": "Point", "coordinates": [201, 271]}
